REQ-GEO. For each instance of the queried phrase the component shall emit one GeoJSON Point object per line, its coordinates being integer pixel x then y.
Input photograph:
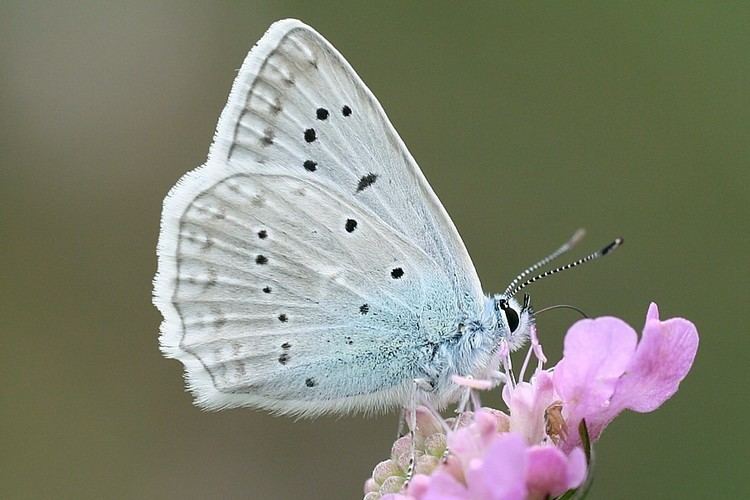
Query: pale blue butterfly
{"type": "Point", "coordinates": [308, 267]}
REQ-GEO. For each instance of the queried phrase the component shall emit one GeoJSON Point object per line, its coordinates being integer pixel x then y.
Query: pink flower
{"type": "Point", "coordinates": [489, 463]}
{"type": "Point", "coordinates": [605, 370]}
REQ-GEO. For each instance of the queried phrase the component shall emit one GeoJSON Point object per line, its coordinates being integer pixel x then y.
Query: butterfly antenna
{"type": "Point", "coordinates": [577, 236]}
{"type": "Point", "coordinates": [593, 256]}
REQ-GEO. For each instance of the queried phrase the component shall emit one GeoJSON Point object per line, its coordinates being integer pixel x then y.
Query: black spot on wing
{"type": "Point", "coordinates": [275, 108]}
{"type": "Point", "coordinates": [366, 181]}
{"type": "Point", "coordinates": [266, 289]}
{"type": "Point", "coordinates": [346, 111]}
{"type": "Point", "coordinates": [267, 138]}
{"type": "Point", "coordinates": [350, 225]}
{"type": "Point", "coordinates": [284, 358]}
{"type": "Point", "coordinates": [283, 318]}
{"type": "Point", "coordinates": [310, 165]}
{"type": "Point", "coordinates": [364, 309]}
{"type": "Point", "coordinates": [397, 273]}
{"type": "Point", "coordinates": [321, 114]}
{"type": "Point", "coordinates": [262, 234]}
{"type": "Point", "coordinates": [310, 135]}
{"type": "Point", "coordinates": [310, 382]}
{"type": "Point", "coordinates": [261, 259]}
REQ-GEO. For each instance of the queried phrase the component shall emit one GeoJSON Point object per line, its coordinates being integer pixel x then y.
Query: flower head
{"type": "Point", "coordinates": [487, 461]}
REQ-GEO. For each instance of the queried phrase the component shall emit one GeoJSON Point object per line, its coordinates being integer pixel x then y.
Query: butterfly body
{"type": "Point", "coordinates": [308, 267]}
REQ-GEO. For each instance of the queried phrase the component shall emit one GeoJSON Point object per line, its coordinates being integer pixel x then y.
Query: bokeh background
{"type": "Point", "coordinates": [628, 119]}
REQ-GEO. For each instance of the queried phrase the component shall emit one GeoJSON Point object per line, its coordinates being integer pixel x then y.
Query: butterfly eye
{"type": "Point", "coordinates": [511, 316]}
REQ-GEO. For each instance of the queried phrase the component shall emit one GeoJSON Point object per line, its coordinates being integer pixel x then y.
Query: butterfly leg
{"type": "Point", "coordinates": [462, 404]}
{"type": "Point", "coordinates": [419, 384]}
{"type": "Point", "coordinates": [401, 422]}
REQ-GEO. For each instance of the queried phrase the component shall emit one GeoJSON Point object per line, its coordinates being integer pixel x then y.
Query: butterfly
{"type": "Point", "coordinates": [308, 267]}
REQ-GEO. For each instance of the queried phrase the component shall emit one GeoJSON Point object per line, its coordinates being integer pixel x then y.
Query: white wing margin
{"type": "Point", "coordinates": [258, 266]}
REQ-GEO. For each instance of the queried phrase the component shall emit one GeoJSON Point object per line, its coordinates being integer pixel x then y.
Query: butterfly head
{"type": "Point", "coordinates": [515, 318]}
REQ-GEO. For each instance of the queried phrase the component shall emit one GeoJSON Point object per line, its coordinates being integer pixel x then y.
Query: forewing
{"type": "Point", "coordinates": [308, 266]}
{"type": "Point", "coordinates": [297, 102]}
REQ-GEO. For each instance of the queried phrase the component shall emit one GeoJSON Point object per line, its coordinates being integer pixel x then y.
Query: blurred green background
{"type": "Point", "coordinates": [529, 120]}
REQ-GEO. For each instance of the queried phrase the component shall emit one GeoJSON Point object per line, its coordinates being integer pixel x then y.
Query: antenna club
{"type": "Point", "coordinates": [612, 246]}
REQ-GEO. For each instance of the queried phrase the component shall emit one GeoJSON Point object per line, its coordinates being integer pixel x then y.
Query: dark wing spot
{"type": "Point", "coordinates": [397, 273]}
{"type": "Point", "coordinates": [283, 318]}
{"type": "Point", "coordinates": [310, 165]}
{"type": "Point", "coordinates": [286, 345]}
{"type": "Point", "coordinates": [283, 358]}
{"type": "Point", "coordinates": [310, 382]}
{"type": "Point", "coordinates": [262, 234]}
{"type": "Point", "coordinates": [349, 340]}
{"type": "Point", "coordinates": [364, 309]}
{"type": "Point", "coordinates": [261, 259]}
{"type": "Point", "coordinates": [346, 111]}
{"type": "Point", "coordinates": [267, 138]}
{"type": "Point", "coordinates": [366, 181]}
{"type": "Point", "coordinates": [321, 113]}
{"type": "Point", "coordinates": [267, 289]}
{"type": "Point", "coordinates": [350, 225]}
{"type": "Point", "coordinates": [310, 135]}
{"type": "Point", "coordinates": [213, 278]}
{"type": "Point", "coordinates": [276, 106]}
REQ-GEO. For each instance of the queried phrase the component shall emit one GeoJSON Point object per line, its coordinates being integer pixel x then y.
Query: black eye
{"type": "Point", "coordinates": [511, 316]}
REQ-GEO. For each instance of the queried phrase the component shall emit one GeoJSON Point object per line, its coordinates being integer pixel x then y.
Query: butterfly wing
{"type": "Point", "coordinates": [307, 266]}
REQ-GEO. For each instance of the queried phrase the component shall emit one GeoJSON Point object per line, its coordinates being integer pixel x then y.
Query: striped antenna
{"type": "Point", "coordinates": [593, 256]}
{"type": "Point", "coordinates": [577, 236]}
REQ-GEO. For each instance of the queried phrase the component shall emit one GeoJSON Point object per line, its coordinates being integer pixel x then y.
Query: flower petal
{"type": "Point", "coordinates": [663, 358]}
{"type": "Point", "coordinates": [547, 471]}
{"type": "Point", "coordinates": [595, 355]}
{"type": "Point", "coordinates": [653, 312]}
{"type": "Point", "coordinates": [501, 473]}
{"type": "Point", "coordinates": [390, 496]}
{"type": "Point", "coordinates": [469, 442]}
{"type": "Point", "coordinates": [527, 402]}
{"type": "Point", "coordinates": [576, 468]}
{"type": "Point", "coordinates": [418, 485]}
{"type": "Point", "coordinates": [443, 487]}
